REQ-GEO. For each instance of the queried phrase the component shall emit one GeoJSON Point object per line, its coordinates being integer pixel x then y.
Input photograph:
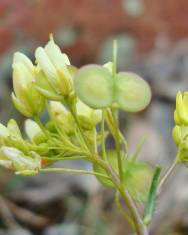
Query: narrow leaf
{"type": "Point", "coordinates": [150, 205]}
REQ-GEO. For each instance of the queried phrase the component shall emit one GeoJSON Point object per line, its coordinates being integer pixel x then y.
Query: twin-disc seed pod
{"type": "Point", "coordinates": [97, 88]}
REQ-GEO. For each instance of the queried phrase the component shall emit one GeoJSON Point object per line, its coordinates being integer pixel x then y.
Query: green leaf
{"type": "Point", "coordinates": [149, 209]}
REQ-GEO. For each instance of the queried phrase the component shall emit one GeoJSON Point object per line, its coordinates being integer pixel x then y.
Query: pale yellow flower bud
{"type": "Point", "coordinates": [32, 129]}
{"type": "Point", "coordinates": [14, 129]}
{"type": "Point", "coordinates": [55, 66]}
{"type": "Point", "coordinates": [62, 116]}
{"type": "Point", "coordinates": [15, 160]}
{"type": "Point", "coordinates": [11, 136]}
{"type": "Point", "coordinates": [181, 112]}
{"type": "Point", "coordinates": [26, 97]}
{"type": "Point", "coordinates": [109, 66]}
{"type": "Point", "coordinates": [3, 131]}
{"type": "Point", "coordinates": [180, 134]}
{"type": "Point", "coordinates": [88, 117]}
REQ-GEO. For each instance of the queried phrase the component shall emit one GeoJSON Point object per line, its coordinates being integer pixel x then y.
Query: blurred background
{"type": "Point", "coordinates": [152, 39]}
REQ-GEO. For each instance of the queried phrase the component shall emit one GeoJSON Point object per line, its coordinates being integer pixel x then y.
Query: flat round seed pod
{"type": "Point", "coordinates": [137, 176]}
{"type": "Point", "coordinates": [94, 86]}
{"type": "Point", "coordinates": [132, 93]}
{"type": "Point", "coordinates": [137, 179]}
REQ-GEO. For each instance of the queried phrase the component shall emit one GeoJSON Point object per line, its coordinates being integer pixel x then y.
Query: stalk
{"type": "Point", "coordinates": [166, 176]}
{"type": "Point", "coordinates": [140, 227]}
{"type": "Point", "coordinates": [103, 148]}
{"type": "Point", "coordinates": [65, 170]}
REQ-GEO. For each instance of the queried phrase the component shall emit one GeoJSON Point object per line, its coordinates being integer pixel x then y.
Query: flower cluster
{"type": "Point", "coordinates": [81, 108]}
{"type": "Point", "coordinates": [75, 101]}
{"type": "Point", "coordinates": [180, 131]}
{"type": "Point", "coordinates": [48, 84]}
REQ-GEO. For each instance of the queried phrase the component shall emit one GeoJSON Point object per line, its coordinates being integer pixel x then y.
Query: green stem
{"type": "Point", "coordinates": [140, 227]}
{"type": "Point", "coordinates": [104, 157]}
{"type": "Point", "coordinates": [118, 146]}
{"type": "Point", "coordinates": [64, 158]}
{"type": "Point", "coordinates": [110, 123]}
{"type": "Point", "coordinates": [123, 213]}
{"type": "Point", "coordinates": [73, 112]}
{"type": "Point", "coordinates": [74, 171]}
{"type": "Point", "coordinates": [124, 142]}
{"type": "Point", "coordinates": [166, 176]}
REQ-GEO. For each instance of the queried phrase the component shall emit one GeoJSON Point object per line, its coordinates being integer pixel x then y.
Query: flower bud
{"type": "Point", "coordinates": [14, 129]}
{"type": "Point", "coordinates": [62, 116]}
{"type": "Point", "coordinates": [181, 112]}
{"type": "Point", "coordinates": [33, 131]}
{"type": "Point", "coordinates": [54, 64]}
{"type": "Point", "coordinates": [178, 134]}
{"type": "Point", "coordinates": [15, 160]}
{"type": "Point", "coordinates": [4, 133]}
{"type": "Point", "coordinates": [26, 98]}
{"type": "Point", "coordinates": [11, 136]}
{"type": "Point", "coordinates": [45, 87]}
{"type": "Point", "coordinates": [87, 116]}
{"type": "Point", "coordinates": [109, 66]}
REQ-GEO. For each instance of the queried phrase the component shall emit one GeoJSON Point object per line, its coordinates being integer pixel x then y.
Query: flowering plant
{"type": "Point", "coordinates": [77, 101]}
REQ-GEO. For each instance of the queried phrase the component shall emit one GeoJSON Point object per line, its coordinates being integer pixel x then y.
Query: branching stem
{"type": "Point", "coordinates": [166, 176]}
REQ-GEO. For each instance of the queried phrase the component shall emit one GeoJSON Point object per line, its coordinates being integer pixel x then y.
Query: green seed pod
{"type": "Point", "coordinates": [137, 179]}
{"type": "Point", "coordinates": [94, 86]}
{"type": "Point", "coordinates": [137, 176]}
{"type": "Point", "coordinates": [132, 93]}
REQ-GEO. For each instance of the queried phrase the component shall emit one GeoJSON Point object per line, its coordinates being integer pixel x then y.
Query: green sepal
{"type": "Point", "coordinates": [20, 107]}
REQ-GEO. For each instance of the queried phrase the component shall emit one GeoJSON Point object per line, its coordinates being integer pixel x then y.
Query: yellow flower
{"type": "Point", "coordinates": [55, 64]}
{"type": "Point", "coordinates": [181, 112]}
{"type": "Point", "coordinates": [180, 134]}
{"type": "Point", "coordinates": [15, 160]}
{"type": "Point", "coordinates": [26, 97]}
